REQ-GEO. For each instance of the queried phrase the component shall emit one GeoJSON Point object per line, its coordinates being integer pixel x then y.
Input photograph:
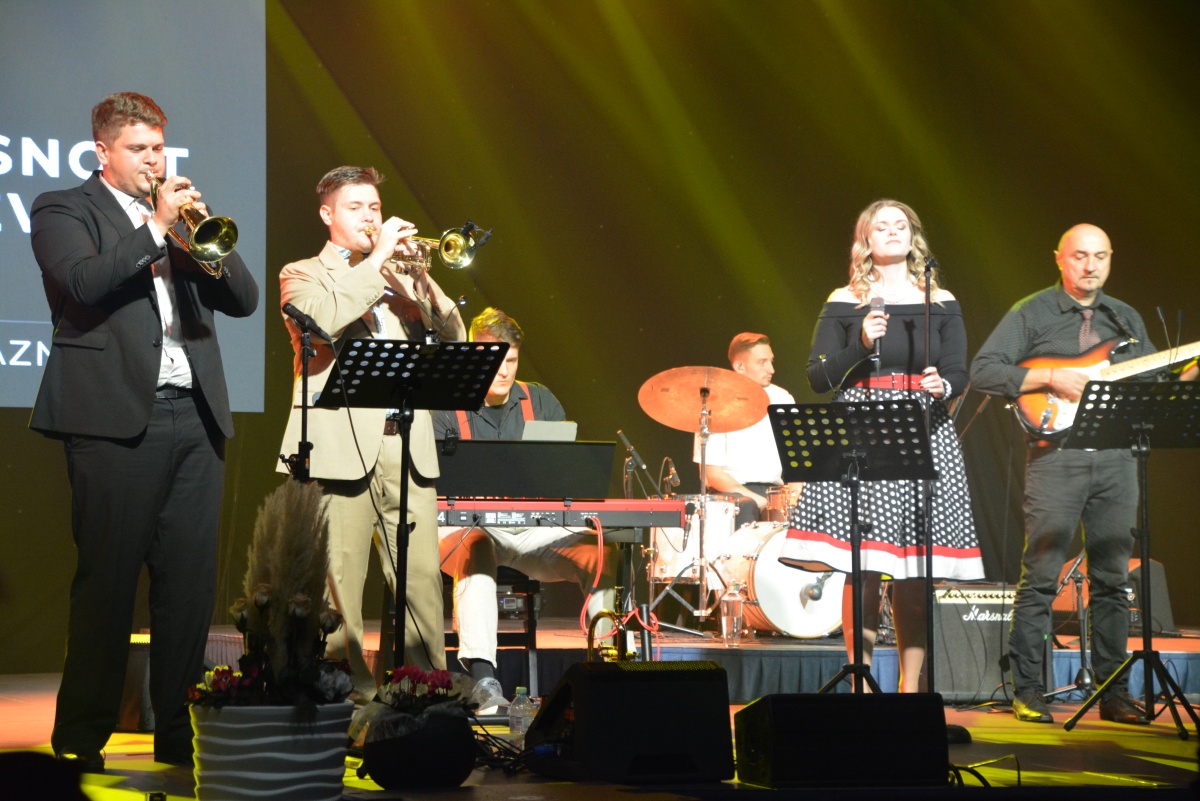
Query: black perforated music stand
{"type": "Point", "coordinates": [850, 443]}
{"type": "Point", "coordinates": [407, 375]}
{"type": "Point", "coordinates": [1139, 416]}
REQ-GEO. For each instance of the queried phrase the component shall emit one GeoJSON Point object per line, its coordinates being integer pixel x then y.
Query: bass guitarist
{"type": "Point", "coordinates": [1039, 349]}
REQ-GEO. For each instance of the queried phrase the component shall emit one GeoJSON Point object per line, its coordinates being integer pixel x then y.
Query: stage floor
{"type": "Point", "coordinates": [1095, 760]}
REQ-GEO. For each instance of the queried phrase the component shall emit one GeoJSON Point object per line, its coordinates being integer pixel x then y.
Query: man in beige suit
{"type": "Point", "coordinates": [353, 290]}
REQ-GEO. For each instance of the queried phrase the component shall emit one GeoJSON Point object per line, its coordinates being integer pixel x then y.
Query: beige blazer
{"type": "Point", "coordinates": [339, 298]}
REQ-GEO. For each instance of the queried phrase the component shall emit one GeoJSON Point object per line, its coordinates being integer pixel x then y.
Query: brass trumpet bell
{"type": "Point", "coordinates": [210, 239]}
{"type": "Point", "coordinates": [456, 250]}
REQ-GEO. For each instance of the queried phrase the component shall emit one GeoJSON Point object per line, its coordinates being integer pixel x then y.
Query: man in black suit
{"type": "Point", "coordinates": [135, 390]}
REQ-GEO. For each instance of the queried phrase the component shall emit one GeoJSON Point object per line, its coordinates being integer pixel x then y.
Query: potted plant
{"type": "Point", "coordinates": [276, 727]}
{"type": "Point", "coordinates": [418, 731]}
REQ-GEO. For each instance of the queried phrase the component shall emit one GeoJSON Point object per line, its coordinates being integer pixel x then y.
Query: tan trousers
{"type": "Point", "coordinates": [353, 529]}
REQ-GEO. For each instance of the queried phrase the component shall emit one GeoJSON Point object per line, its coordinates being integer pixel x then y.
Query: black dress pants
{"type": "Point", "coordinates": [154, 499]}
{"type": "Point", "coordinates": [1063, 488]}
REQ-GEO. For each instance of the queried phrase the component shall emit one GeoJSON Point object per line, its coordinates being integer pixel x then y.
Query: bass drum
{"type": "Point", "coordinates": [676, 550]}
{"type": "Point", "coordinates": [779, 598]}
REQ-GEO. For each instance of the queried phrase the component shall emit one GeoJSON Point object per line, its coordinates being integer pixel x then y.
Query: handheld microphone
{"type": "Point", "coordinates": [672, 476]}
{"type": "Point", "coordinates": [305, 322]}
{"type": "Point", "coordinates": [877, 303]}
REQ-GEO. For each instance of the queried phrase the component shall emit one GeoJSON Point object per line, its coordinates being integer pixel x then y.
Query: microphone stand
{"type": "Point", "coordinates": [1085, 678]}
{"type": "Point", "coordinates": [927, 504]}
{"type": "Point", "coordinates": [299, 463]}
{"type": "Point", "coordinates": [955, 733]}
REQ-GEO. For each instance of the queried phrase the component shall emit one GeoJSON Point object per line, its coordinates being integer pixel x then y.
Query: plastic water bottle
{"type": "Point", "coordinates": [731, 616]}
{"type": "Point", "coordinates": [520, 714]}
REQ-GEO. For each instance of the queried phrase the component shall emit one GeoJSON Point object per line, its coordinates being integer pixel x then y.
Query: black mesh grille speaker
{"type": "Point", "coordinates": [970, 631]}
{"type": "Point", "coordinates": [635, 722]}
{"type": "Point", "coordinates": [843, 740]}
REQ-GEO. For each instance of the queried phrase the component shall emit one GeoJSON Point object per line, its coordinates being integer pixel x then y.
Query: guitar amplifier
{"type": "Point", "coordinates": [970, 631]}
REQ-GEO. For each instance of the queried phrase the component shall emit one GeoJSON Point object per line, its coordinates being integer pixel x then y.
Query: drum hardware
{"type": "Point", "coordinates": [680, 398]}
{"type": "Point", "coordinates": [780, 502]}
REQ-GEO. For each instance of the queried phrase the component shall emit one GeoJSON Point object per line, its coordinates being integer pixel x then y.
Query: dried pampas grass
{"type": "Point", "coordinates": [285, 578]}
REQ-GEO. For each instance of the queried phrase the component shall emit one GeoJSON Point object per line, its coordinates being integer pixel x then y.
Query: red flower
{"type": "Point", "coordinates": [440, 680]}
{"type": "Point", "coordinates": [410, 672]}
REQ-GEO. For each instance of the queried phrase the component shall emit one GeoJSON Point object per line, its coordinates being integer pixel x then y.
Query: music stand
{"type": "Point", "coordinates": [1139, 416]}
{"type": "Point", "coordinates": [850, 443]}
{"type": "Point", "coordinates": [407, 375]}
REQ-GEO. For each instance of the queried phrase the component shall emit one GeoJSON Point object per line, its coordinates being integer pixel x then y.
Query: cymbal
{"type": "Point", "coordinates": [672, 398]}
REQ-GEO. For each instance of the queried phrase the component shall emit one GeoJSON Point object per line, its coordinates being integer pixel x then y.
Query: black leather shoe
{"type": "Point", "coordinates": [171, 758]}
{"type": "Point", "coordinates": [83, 763]}
{"type": "Point", "coordinates": [1120, 708]}
{"type": "Point", "coordinates": [1030, 706]}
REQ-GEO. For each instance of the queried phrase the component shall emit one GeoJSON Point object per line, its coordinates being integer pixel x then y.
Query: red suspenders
{"type": "Point", "coordinates": [464, 424]}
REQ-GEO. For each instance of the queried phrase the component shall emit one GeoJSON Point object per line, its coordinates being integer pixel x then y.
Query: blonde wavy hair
{"type": "Point", "coordinates": [861, 265]}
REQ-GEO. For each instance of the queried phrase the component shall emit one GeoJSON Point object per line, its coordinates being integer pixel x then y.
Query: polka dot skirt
{"type": "Point", "coordinates": [819, 529]}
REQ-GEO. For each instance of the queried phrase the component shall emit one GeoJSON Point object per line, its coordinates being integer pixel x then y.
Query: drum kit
{"type": "Point", "coordinates": [709, 551]}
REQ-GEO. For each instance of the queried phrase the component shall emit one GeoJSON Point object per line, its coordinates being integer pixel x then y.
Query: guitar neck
{"type": "Point", "coordinates": [1154, 361]}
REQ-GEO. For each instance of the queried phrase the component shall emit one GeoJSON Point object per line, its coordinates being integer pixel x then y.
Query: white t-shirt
{"type": "Point", "coordinates": [748, 455]}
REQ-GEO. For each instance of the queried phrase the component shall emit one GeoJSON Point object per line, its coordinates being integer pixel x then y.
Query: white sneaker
{"type": "Point", "coordinates": [490, 697]}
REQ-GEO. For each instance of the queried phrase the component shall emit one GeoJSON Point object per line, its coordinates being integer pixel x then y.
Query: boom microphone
{"type": "Point", "coordinates": [305, 322]}
{"type": "Point", "coordinates": [672, 476]}
{"type": "Point", "coordinates": [637, 459]}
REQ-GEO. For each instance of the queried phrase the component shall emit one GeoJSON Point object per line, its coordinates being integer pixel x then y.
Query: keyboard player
{"type": "Point", "coordinates": [544, 553]}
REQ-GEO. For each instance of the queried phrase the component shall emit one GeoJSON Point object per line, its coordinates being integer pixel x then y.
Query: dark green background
{"type": "Point", "coordinates": [663, 174]}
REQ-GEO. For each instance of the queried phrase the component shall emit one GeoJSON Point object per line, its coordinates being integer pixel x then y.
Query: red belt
{"type": "Point", "coordinates": [896, 381]}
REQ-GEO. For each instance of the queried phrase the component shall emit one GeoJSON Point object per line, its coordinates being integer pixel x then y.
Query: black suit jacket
{"type": "Point", "coordinates": [104, 359]}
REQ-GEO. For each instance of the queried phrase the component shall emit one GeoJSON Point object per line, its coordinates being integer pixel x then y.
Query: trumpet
{"type": "Point", "coordinates": [210, 239]}
{"type": "Point", "coordinates": [455, 249]}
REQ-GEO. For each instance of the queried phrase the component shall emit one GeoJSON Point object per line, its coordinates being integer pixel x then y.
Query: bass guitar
{"type": "Point", "coordinates": [1044, 415]}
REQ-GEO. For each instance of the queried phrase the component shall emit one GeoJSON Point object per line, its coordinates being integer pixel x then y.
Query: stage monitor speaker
{"type": "Point", "coordinates": [843, 740]}
{"type": "Point", "coordinates": [635, 722]}
{"type": "Point", "coordinates": [1161, 619]}
{"type": "Point", "coordinates": [970, 630]}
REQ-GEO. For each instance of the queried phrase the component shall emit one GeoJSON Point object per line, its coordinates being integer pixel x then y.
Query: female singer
{"type": "Point", "coordinates": [887, 262]}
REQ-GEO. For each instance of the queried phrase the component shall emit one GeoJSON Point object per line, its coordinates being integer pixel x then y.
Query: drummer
{"type": "Point", "coordinates": [745, 462]}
